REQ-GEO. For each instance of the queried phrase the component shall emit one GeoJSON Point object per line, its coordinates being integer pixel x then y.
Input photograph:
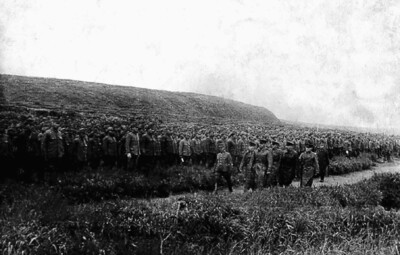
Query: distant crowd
{"type": "Point", "coordinates": [32, 144]}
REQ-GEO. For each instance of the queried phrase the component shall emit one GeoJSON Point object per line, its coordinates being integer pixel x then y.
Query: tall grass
{"type": "Point", "coordinates": [325, 220]}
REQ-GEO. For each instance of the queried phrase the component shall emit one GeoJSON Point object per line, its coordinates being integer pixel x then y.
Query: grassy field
{"type": "Point", "coordinates": [100, 217]}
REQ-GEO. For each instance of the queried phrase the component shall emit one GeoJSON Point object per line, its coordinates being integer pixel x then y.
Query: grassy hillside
{"type": "Point", "coordinates": [95, 97]}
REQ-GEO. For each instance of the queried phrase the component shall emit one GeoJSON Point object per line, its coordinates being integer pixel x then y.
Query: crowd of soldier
{"type": "Point", "coordinates": [28, 151]}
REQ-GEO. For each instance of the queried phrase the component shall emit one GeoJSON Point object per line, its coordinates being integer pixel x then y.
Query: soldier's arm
{"type": "Point", "coordinates": [242, 163]}
{"type": "Point", "coordinates": [300, 161]}
{"type": "Point", "coordinates": [230, 162]}
{"type": "Point", "coordinates": [270, 160]}
{"type": "Point", "coordinates": [128, 143]}
{"type": "Point", "coordinates": [216, 164]}
{"type": "Point", "coordinates": [327, 157]}
{"type": "Point", "coordinates": [180, 148]}
{"type": "Point", "coordinates": [316, 164]}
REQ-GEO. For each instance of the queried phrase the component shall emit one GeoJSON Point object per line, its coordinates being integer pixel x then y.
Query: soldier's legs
{"type": "Point", "coordinates": [194, 159]}
{"type": "Point", "coordinates": [271, 179]}
{"type": "Point", "coordinates": [228, 179]}
{"type": "Point", "coordinates": [309, 183]}
{"type": "Point", "coordinates": [322, 172]}
{"type": "Point", "coordinates": [131, 162]}
{"type": "Point", "coordinates": [307, 177]}
{"type": "Point", "coordinates": [250, 182]}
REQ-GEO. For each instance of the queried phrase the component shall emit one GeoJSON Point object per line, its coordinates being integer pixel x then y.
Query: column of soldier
{"type": "Point", "coordinates": [266, 157]}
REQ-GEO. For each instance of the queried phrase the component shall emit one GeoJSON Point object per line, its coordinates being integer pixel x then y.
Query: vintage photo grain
{"type": "Point", "coordinates": [199, 127]}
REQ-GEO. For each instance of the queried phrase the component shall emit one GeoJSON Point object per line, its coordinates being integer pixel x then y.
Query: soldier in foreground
{"type": "Point", "coordinates": [247, 164]}
{"type": "Point", "coordinates": [274, 163]}
{"type": "Point", "coordinates": [53, 148]}
{"type": "Point", "coordinates": [323, 161]}
{"type": "Point", "coordinates": [223, 168]}
{"type": "Point", "coordinates": [287, 170]}
{"type": "Point", "coordinates": [261, 163]}
{"type": "Point", "coordinates": [308, 166]}
{"type": "Point", "coordinates": [132, 147]}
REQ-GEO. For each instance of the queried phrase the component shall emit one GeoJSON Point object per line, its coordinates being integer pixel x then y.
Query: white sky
{"type": "Point", "coordinates": [323, 61]}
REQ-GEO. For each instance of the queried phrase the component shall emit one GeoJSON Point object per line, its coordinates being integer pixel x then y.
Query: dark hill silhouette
{"type": "Point", "coordinates": [80, 96]}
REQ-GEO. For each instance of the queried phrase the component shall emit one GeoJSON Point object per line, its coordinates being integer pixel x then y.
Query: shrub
{"type": "Point", "coordinates": [343, 165]}
{"type": "Point", "coordinates": [389, 185]}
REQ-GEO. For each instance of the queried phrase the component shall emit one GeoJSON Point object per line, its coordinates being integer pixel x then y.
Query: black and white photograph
{"type": "Point", "coordinates": [200, 127]}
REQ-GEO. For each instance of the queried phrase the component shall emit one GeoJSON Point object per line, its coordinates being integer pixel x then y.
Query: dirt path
{"type": "Point", "coordinates": [332, 180]}
{"type": "Point", "coordinates": [392, 167]}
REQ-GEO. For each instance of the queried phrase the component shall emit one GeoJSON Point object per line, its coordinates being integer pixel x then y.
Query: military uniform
{"type": "Point", "coordinates": [274, 163]}
{"type": "Point", "coordinates": [309, 167]}
{"type": "Point", "coordinates": [247, 165]}
{"type": "Point", "coordinates": [79, 153]}
{"type": "Point", "coordinates": [109, 151]}
{"type": "Point", "coordinates": [260, 166]}
{"type": "Point", "coordinates": [323, 161]}
{"type": "Point", "coordinates": [94, 152]}
{"type": "Point", "coordinates": [287, 170]}
{"type": "Point", "coordinates": [223, 168]}
{"type": "Point", "coordinates": [132, 146]}
{"type": "Point", "coordinates": [53, 148]}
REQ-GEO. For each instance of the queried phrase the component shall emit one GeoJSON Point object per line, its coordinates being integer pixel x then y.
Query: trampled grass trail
{"type": "Point", "coordinates": [332, 180]}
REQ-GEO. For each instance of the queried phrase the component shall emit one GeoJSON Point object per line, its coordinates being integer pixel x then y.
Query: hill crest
{"type": "Point", "coordinates": [83, 96]}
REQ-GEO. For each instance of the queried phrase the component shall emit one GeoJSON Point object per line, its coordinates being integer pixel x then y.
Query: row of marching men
{"type": "Point", "coordinates": [269, 167]}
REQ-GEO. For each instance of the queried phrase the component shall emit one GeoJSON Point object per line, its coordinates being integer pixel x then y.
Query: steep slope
{"type": "Point", "coordinates": [83, 96]}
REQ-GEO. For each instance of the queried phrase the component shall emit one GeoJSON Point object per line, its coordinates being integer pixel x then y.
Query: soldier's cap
{"type": "Point", "coordinates": [231, 134]}
{"type": "Point", "coordinates": [110, 129]}
{"type": "Point", "coordinates": [275, 143]}
{"type": "Point", "coordinates": [263, 141]}
{"type": "Point", "coordinates": [252, 143]}
{"type": "Point", "coordinates": [289, 143]}
{"type": "Point", "coordinates": [81, 130]}
{"type": "Point", "coordinates": [309, 144]}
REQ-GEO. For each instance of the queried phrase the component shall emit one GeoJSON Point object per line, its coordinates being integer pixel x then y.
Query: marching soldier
{"type": "Point", "coordinates": [288, 166]}
{"type": "Point", "coordinates": [94, 151]}
{"type": "Point", "coordinates": [323, 161]}
{"type": "Point", "coordinates": [184, 150]}
{"type": "Point", "coordinates": [109, 149]}
{"type": "Point", "coordinates": [53, 148]}
{"type": "Point", "coordinates": [274, 163]}
{"type": "Point", "coordinates": [223, 168]}
{"type": "Point", "coordinates": [308, 166]}
{"type": "Point", "coordinates": [261, 163]}
{"type": "Point", "coordinates": [240, 148]}
{"type": "Point", "coordinates": [147, 154]}
{"type": "Point", "coordinates": [197, 150]}
{"type": "Point", "coordinates": [132, 147]}
{"type": "Point", "coordinates": [247, 165]}
{"type": "Point", "coordinates": [231, 146]}
{"type": "Point", "coordinates": [80, 150]}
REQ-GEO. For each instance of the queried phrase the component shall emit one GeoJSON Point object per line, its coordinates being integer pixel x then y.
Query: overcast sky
{"type": "Point", "coordinates": [320, 61]}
